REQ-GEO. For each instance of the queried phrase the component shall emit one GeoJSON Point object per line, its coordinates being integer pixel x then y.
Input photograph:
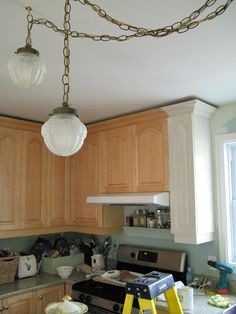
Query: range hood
{"type": "Point", "coordinates": [161, 198]}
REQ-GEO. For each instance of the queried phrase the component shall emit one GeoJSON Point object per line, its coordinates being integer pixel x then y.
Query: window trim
{"type": "Point", "coordinates": [221, 197]}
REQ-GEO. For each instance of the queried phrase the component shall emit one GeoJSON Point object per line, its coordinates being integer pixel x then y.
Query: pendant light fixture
{"type": "Point", "coordinates": [64, 133]}
{"type": "Point", "coordinates": [25, 67]}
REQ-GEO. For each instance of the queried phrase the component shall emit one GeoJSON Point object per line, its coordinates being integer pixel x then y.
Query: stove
{"type": "Point", "coordinates": [108, 297]}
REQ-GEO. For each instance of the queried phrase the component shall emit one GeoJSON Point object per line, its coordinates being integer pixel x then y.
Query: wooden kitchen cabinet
{"type": "Point", "coordinates": [151, 156]}
{"type": "Point", "coordinates": [134, 153]}
{"type": "Point", "coordinates": [10, 180]}
{"type": "Point", "coordinates": [56, 189]}
{"type": "Point", "coordinates": [191, 191]}
{"type": "Point", "coordinates": [117, 161]}
{"type": "Point", "coordinates": [84, 176]}
{"type": "Point", "coordinates": [23, 303]}
{"type": "Point", "coordinates": [33, 181]}
{"type": "Point", "coordinates": [48, 295]}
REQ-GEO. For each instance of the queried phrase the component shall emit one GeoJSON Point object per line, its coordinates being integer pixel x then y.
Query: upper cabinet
{"type": "Point", "coordinates": [190, 166]}
{"type": "Point", "coordinates": [56, 190]}
{"type": "Point", "coordinates": [33, 180]}
{"type": "Point", "coordinates": [10, 164]}
{"type": "Point", "coordinates": [134, 153]}
{"type": "Point", "coordinates": [151, 156]}
{"type": "Point", "coordinates": [83, 178]}
{"type": "Point", "coordinates": [117, 160]}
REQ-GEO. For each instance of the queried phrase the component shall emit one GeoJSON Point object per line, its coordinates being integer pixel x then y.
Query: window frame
{"type": "Point", "coordinates": [222, 198]}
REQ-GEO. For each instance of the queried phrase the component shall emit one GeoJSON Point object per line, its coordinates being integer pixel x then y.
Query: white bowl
{"type": "Point", "coordinates": [64, 271]}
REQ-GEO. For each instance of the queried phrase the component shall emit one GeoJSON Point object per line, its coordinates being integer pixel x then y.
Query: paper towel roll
{"type": "Point", "coordinates": [111, 273]}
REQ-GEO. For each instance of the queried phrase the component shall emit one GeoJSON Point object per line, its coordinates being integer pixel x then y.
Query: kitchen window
{"type": "Point", "coordinates": [226, 196]}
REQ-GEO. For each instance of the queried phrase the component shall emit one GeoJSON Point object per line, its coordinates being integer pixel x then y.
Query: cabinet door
{"type": "Point", "coordinates": [117, 165]}
{"type": "Point", "coordinates": [10, 173]}
{"type": "Point", "coordinates": [84, 182]}
{"type": "Point", "coordinates": [33, 181]}
{"type": "Point", "coordinates": [56, 190]}
{"type": "Point", "coordinates": [23, 303]}
{"type": "Point", "coordinates": [48, 295]}
{"type": "Point", "coordinates": [151, 156]}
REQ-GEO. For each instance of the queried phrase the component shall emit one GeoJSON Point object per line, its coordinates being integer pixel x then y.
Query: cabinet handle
{"type": "Point", "coordinates": [40, 297]}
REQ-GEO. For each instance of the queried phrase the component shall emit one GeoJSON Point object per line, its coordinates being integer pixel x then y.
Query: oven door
{"type": "Point", "coordinates": [97, 310]}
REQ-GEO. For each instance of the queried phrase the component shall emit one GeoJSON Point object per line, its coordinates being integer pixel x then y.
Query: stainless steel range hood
{"type": "Point", "coordinates": [161, 198]}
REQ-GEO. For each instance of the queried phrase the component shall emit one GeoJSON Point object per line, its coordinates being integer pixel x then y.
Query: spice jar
{"type": "Point", "coordinates": [159, 220]}
{"type": "Point", "coordinates": [143, 218]}
{"type": "Point", "coordinates": [150, 220]}
{"type": "Point", "coordinates": [136, 218]}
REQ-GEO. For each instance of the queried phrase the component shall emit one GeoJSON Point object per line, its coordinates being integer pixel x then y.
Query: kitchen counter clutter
{"type": "Point", "coordinates": [201, 305]}
{"type": "Point", "coordinates": [44, 280]}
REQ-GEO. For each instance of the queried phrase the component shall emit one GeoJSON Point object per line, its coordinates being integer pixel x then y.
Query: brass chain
{"type": "Point", "coordinates": [184, 25]}
{"type": "Point", "coordinates": [29, 26]}
{"type": "Point", "coordinates": [66, 53]}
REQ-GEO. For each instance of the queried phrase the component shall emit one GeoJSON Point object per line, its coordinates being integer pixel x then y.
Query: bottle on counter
{"type": "Point", "coordinates": [189, 276]}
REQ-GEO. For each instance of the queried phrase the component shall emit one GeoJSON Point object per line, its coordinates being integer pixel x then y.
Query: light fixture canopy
{"type": "Point", "coordinates": [25, 67]}
{"type": "Point", "coordinates": [64, 133]}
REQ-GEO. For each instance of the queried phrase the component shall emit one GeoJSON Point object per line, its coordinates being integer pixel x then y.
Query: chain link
{"type": "Point", "coordinates": [66, 53]}
{"type": "Point", "coordinates": [29, 26]}
{"type": "Point", "coordinates": [184, 25]}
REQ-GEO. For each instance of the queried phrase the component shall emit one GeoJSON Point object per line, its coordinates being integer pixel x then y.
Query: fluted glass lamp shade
{"type": "Point", "coordinates": [64, 134]}
{"type": "Point", "coordinates": [25, 68]}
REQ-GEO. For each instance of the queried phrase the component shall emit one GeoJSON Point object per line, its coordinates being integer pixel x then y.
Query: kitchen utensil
{"type": "Point", "coordinates": [97, 261]}
{"type": "Point", "coordinates": [66, 307]}
{"type": "Point", "coordinates": [64, 271]}
{"type": "Point", "coordinates": [27, 266]}
{"type": "Point", "coordinates": [62, 246]}
{"type": "Point", "coordinates": [86, 249]}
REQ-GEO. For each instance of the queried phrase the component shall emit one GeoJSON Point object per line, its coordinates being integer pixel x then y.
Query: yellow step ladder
{"type": "Point", "coordinates": [147, 288]}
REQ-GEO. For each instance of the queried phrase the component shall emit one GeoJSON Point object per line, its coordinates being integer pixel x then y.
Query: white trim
{"type": "Point", "coordinates": [222, 199]}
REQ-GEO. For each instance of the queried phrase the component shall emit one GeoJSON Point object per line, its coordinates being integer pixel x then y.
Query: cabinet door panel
{"type": "Point", "coordinates": [34, 180]}
{"type": "Point", "coordinates": [84, 174]}
{"type": "Point", "coordinates": [56, 190]}
{"type": "Point", "coordinates": [151, 162]}
{"type": "Point", "coordinates": [48, 295]}
{"type": "Point", "coordinates": [23, 303]}
{"type": "Point", "coordinates": [10, 144]}
{"type": "Point", "coordinates": [117, 171]}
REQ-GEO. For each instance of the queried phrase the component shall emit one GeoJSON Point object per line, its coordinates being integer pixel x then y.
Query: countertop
{"type": "Point", "coordinates": [40, 281]}
{"type": "Point", "coordinates": [201, 305]}
{"type": "Point", "coordinates": [43, 280]}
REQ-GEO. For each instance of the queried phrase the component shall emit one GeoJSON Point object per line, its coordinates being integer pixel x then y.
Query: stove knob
{"type": "Point", "coordinates": [132, 254]}
{"type": "Point", "coordinates": [116, 307]}
{"type": "Point", "coordinates": [88, 299]}
{"type": "Point", "coordinates": [82, 297]}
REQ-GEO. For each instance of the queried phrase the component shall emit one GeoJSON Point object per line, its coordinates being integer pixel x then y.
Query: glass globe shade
{"type": "Point", "coordinates": [64, 134]}
{"type": "Point", "coordinates": [26, 69]}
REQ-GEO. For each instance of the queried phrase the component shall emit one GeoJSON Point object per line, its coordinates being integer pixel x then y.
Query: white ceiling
{"type": "Point", "coordinates": [110, 79]}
